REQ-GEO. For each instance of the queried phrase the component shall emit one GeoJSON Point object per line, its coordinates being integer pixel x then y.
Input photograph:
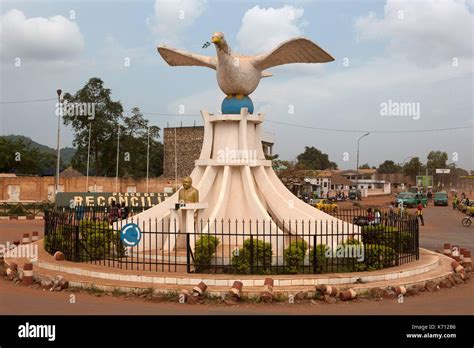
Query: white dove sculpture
{"type": "Point", "coordinates": [239, 75]}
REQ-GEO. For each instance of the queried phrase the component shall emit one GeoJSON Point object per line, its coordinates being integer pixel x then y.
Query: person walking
{"type": "Point", "coordinates": [419, 213]}
{"type": "Point", "coordinates": [455, 202]}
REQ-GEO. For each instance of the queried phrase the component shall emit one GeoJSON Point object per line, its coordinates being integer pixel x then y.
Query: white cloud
{"type": "Point", "coordinates": [172, 17]}
{"type": "Point", "coordinates": [427, 32]}
{"type": "Point", "coordinates": [263, 29]}
{"type": "Point", "coordinates": [39, 38]}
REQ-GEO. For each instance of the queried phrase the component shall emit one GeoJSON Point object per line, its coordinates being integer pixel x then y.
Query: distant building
{"type": "Point", "coordinates": [182, 146]}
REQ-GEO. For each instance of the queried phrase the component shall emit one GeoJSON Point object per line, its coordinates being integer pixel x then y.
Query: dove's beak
{"type": "Point", "coordinates": [216, 39]}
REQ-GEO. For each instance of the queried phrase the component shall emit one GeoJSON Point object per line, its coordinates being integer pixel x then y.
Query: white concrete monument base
{"type": "Point", "coordinates": [238, 184]}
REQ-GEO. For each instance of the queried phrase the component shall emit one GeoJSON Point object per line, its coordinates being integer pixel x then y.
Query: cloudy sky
{"type": "Point", "coordinates": [387, 53]}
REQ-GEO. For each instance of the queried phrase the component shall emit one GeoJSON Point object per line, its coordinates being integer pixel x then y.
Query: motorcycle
{"type": "Point", "coordinates": [466, 222]}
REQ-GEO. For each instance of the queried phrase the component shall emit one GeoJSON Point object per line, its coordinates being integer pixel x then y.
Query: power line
{"type": "Point", "coordinates": [330, 129]}
{"type": "Point", "coordinates": [26, 101]}
{"type": "Point", "coordinates": [278, 122]}
{"type": "Point", "coordinates": [371, 131]}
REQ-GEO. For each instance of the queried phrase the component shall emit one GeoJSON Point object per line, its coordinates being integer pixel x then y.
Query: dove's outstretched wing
{"type": "Point", "coordinates": [176, 57]}
{"type": "Point", "coordinates": [297, 50]}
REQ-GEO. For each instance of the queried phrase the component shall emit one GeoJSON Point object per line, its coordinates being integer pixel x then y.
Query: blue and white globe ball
{"type": "Point", "coordinates": [233, 105]}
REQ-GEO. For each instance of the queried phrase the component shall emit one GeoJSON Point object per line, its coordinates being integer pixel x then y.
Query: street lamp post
{"type": "Point", "coordinates": [147, 158]}
{"type": "Point", "coordinates": [60, 113]}
{"type": "Point", "coordinates": [88, 157]}
{"type": "Point", "coordinates": [117, 166]}
{"type": "Point", "coordinates": [358, 141]}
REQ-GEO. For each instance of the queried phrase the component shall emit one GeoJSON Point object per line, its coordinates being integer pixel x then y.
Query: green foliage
{"type": "Point", "coordinates": [204, 251]}
{"type": "Point", "coordinates": [97, 240]}
{"type": "Point", "coordinates": [312, 158]}
{"type": "Point", "coordinates": [413, 167]}
{"type": "Point", "coordinates": [294, 256]}
{"type": "Point", "coordinates": [255, 257]}
{"type": "Point", "coordinates": [18, 155]}
{"type": "Point", "coordinates": [58, 242]}
{"type": "Point", "coordinates": [388, 167]}
{"type": "Point", "coordinates": [101, 241]}
{"type": "Point", "coordinates": [378, 256]}
{"type": "Point", "coordinates": [109, 118]}
{"type": "Point", "coordinates": [389, 236]}
{"type": "Point", "coordinates": [318, 254]}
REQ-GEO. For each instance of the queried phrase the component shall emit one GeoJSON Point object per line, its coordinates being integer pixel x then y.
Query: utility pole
{"type": "Point", "coordinates": [58, 150]}
{"type": "Point", "coordinates": [88, 157]}
{"type": "Point", "coordinates": [358, 141]}
{"type": "Point", "coordinates": [147, 158]}
{"type": "Point", "coordinates": [118, 151]}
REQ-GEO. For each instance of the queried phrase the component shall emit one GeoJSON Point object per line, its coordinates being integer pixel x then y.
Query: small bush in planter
{"type": "Point", "coordinates": [378, 256]}
{"type": "Point", "coordinates": [254, 257]}
{"type": "Point", "coordinates": [294, 256]}
{"type": "Point", "coordinates": [101, 240]}
{"type": "Point", "coordinates": [204, 250]}
{"type": "Point", "coordinates": [320, 258]}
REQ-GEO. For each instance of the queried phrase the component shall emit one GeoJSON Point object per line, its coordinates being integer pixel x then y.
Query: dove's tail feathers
{"type": "Point", "coordinates": [266, 74]}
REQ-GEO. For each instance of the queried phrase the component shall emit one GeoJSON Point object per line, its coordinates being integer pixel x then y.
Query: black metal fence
{"type": "Point", "coordinates": [356, 240]}
{"type": "Point", "coordinates": [24, 208]}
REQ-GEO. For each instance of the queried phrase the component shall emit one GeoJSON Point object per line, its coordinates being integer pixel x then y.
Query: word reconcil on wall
{"type": "Point", "coordinates": [131, 199]}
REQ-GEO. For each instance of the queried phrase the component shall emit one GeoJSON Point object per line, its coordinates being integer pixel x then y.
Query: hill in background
{"type": "Point", "coordinates": [66, 153]}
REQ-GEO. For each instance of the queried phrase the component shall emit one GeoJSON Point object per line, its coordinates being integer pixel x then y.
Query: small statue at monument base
{"type": "Point", "coordinates": [188, 194]}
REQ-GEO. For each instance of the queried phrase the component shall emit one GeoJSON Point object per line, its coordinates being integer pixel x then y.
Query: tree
{"type": "Point", "coordinates": [314, 159]}
{"type": "Point", "coordinates": [389, 167]}
{"type": "Point", "coordinates": [437, 159]}
{"type": "Point", "coordinates": [133, 146]}
{"type": "Point", "coordinates": [19, 157]}
{"type": "Point", "coordinates": [104, 127]}
{"type": "Point", "coordinates": [364, 166]}
{"type": "Point", "coordinates": [413, 168]}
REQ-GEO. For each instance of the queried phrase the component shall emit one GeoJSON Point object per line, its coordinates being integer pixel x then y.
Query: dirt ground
{"type": "Point", "coordinates": [16, 299]}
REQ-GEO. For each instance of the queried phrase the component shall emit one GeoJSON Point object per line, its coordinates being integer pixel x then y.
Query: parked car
{"type": "Point", "coordinates": [440, 198]}
{"type": "Point", "coordinates": [326, 205]}
{"type": "Point", "coordinates": [355, 195]}
{"type": "Point", "coordinates": [421, 198]}
{"type": "Point", "coordinates": [407, 198]}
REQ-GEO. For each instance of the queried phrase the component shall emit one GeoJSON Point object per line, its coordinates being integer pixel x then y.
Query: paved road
{"type": "Point", "coordinates": [443, 225]}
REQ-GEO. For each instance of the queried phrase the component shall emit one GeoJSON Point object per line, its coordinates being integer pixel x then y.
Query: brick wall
{"type": "Point", "coordinates": [186, 149]}
{"type": "Point", "coordinates": [35, 188]}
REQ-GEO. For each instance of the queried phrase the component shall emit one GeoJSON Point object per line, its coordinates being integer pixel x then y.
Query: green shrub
{"type": "Point", "coordinates": [255, 257]}
{"type": "Point", "coordinates": [378, 256]}
{"type": "Point", "coordinates": [88, 226]}
{"type": "Point", "coordinates": [97, 240]}
{"type": "Point", "coordinates": [320, 258]}
{"type": "Point", "coordinates": [388, 236]}
{"type": "Point", "coordinates": [294, 256]}
{"type": "Point", "coordinates": [59, 242]}
{"type": "Point", "coordinates": [204, 250]}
